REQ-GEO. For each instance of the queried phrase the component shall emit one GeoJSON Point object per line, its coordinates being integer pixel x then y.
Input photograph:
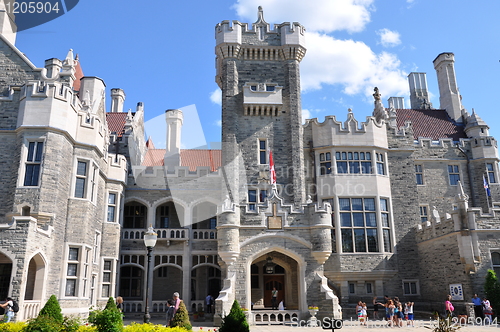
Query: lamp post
{"type": "Point", "coordinates": [149, 241]}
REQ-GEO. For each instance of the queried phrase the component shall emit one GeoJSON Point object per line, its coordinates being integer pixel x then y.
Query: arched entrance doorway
{"type": "Point", "coordinates": [5, 275]}
{"type": "Point", "coordinates": [35, 279]}
{"type": "Point", "coordinates": [274, 270]}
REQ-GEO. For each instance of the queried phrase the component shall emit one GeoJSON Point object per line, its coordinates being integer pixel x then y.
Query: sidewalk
{"type": "Point", "coordinates": [350, 326]}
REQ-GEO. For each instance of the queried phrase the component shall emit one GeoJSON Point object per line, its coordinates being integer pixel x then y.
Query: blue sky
{"type": "Point", "coordinates": [161, 53]}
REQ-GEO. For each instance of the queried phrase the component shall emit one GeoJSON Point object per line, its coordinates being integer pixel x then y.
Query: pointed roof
{"type": "Point", "coordinates": [430, 123]}
{"type": "Point", "coordinates": [150, 144]}
{"type": "Point", "coordinates": [78, 74]}
{"type": "Point", "coordinates": [475, 120]}
{"type": "Point", "coordinates": [191, 158]}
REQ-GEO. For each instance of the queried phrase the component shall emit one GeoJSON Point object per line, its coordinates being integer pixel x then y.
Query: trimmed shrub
{"type": "Point", "coordinates": [43, 323]}
{"type": "Point", "coordinates": [181, 318]}
{"type": "Point", "coordinates": [111, 304]}
{"type": "Point", "coordinates": [52, 309]}
{"type": "Point", "coordinates": [109, 319]}
{"type": "Point", "coordinates": [236, 321]}
{"type": "Point", "coordinates": [134, 327]}
{"type": "Point", "coordinates": [13, 327]}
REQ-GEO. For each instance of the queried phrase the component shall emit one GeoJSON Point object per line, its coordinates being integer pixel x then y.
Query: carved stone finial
{"type": "Point", "coordinates": [377, 94]}
{"type": "Point", "coordinates": [260, 16]}
{"type": "Point", "coordinates": [349, 110]}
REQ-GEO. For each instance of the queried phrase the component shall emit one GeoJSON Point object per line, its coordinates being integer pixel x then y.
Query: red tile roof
{"type": "Point", "coordinates": [191, 158]}
{"type": "Point", "coordinates": [434, 124]}
{"type": "Point", "coordinates": [116, 122]}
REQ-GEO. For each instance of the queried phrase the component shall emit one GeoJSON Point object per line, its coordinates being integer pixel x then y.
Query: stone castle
{"type": "Point", "coordinates": [394, 205]}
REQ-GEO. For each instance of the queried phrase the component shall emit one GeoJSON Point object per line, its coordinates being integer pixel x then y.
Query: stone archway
{"type": "Point", "coordinates": [284, 277]}
{"type": "Point", "coordinates": [35, 278]}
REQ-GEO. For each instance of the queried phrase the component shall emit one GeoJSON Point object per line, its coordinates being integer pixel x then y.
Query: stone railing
{"type": "Point", "coordinates": [204, 234]}
{"type": "Point", "coordinates": [30, 309]}
{"type": "Point", "coordinates": [163, 234]}
{"type": "Point", "coordinates": [272, 316]}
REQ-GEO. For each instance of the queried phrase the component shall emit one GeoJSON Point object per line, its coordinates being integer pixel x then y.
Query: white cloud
{"type": "Point", "coordinates": [315, 15]}
{"type": "Point", "coordinates": [218, 123]}
{"type": "Point", "coordinates": [216, 96]}
{"type": "Point", "coordinates": [305, 115]}
{"type": "Point", "coordinates": [389, 38]}
{"type": "Point", "coordinates": [351, 64]}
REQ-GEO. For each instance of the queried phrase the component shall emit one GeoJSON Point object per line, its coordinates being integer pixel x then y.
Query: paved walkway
{"type": "Point", "coordinates": [349, 326]}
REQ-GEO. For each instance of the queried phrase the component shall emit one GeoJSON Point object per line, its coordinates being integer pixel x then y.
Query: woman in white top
{"type": "Point", "coordinates": [8, 309]}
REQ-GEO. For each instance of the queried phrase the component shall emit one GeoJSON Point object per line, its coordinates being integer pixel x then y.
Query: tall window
{"type": "Point", "coordinates": [106, 278]}
{"type": "Point", "coordinates": [424, 216]}
{"type": "Point", "coordinates": [495, 262]}
{"type": "Point", "coordinates": [419, 175]}
{"type": "Point", "coordinates": [72, 272]}
{"type": "Point", "coordinates": [111, 207]}
{"type": "Point", "coordinates": [354, 162]}
{"type": "Point", "coordinates": [81, 179]}
{"type": "Point", "coordinates": [252, 199]}
{"type": "Point", "coordinates": [163, 215]}
{"type": "Point", "coordinates": [131, 281]}
{"type": "Point", "coordinates": [134, 215]}
{"type": "Point", "coordinates": [386, 231]}
{"type": "Point", "coordinates": [325, 163]}
{"type": "Point", "coordinates": [262, 151]}
{"type": "Point", "coordinates": [358, 221]}
{"type": "Point", "coordinates": [380, 164]}
{"type": "Point", "coordinates": [453, 174]}
{"type": "Point", "coordinates": [491, 173]}
{"type": "Point", "coordinates": [33, 163]}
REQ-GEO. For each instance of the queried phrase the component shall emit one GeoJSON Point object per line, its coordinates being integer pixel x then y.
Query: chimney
{"type": "Point", "coordinates": [449, 97]}
{"type": "Point", "coordinates": [117, 99]}
{"type": "Point", "coordinates": [174, 120]}
{"type": "Point", "coordinates": [53, 67]}
{"type": "Point", "coordinates": [419, 96]}
{"type": "Point", "coordinates": [396, 102]}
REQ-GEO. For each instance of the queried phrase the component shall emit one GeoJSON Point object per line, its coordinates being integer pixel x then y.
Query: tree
{"type": "Point", "coordinates": [181, 318]}
{"type": "Point", "coordinates": [110, 319]}
{"type": "Point", "coordinates": [492, 291]}
{"type": "Point", "coordinates": [236, 321]}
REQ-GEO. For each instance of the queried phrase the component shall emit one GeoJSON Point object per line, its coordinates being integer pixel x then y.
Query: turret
{"type": "Point", "coordinates": [174, 119]}
{"type": "Point", "coordinates": [419, 96]}
{"type": "Point", "coordinates": [396, 102]}
{"type": "Point", "coordinates": [476, 127]}
{"type": "Point", "coordinates": [449, 97]}
{"type": "Point", "coordinates": [117, 99]}
{"type": "Point", "coordinates": [53, 67]}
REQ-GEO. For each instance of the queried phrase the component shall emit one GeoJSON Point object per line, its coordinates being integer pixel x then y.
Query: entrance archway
{"type": "Point", "coordinates": [35, 279]}
{"type": "Point", "coordinates": [5, 275]}
{"type": "Point", "coordinates": [274, 270]}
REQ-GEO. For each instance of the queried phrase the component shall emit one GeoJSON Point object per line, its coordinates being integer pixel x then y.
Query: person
{"type": "Point", "coordinates": [478, 306]}
{"type": "Point", "coordinates": [274, 298]}
{"type": "Point", "coordinates": [448, 306]}
{"type": "Point", "coordinates": [359, 312]}
{"type": "Point", "coordinates": [409, 313]}
{"type": "Point", "coordinates": [119, 303]}
{"type": "Point", "coordinates": [390, 312]}
{"type": "Point", "coordinates": [376, 304]}
{"type": "Point", "coordinates": [9, 313]}
{"type": "Point", "coordinates": [488, 311]}
{"type": "Point", "coordinates": [209, 301]}
{"type": "Point", "coordinates": [177, 302]}
{"type": "Point", "coordinates": [170, 311]}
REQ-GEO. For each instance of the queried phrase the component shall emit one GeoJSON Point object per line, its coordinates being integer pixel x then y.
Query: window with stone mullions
{"type": "Point", "coordinates": [491, 173]}
{"type": "Point", "coordinates": [81, 178]}
{"type": "Point", "coordinates": [33, 163]}
{"type": "Point", "coordinates": [419, 175]}
{"type": "Point", "coordinates": [353, 162]}
{"type": "Point", "coordinates": [325, 163]}
{"type": "Point", "coordinates": [358, 223]}
{"type": "Point", "coordinates": [386, 232]}
{"type": "Point", "coordinates": [380, 164]}
{"type": "Point", "coordinates": [262, 151]}
{"type": "Point", "coordinates": [495, 262]}
{"type": "Point", "coordinates": [134, 216]}
{"type": "Point", "coordinates": [72, 272]}
{"type": "Point", "coordinates": [111, 207]}
{"type": "Point", "coordinates": [453, 174]}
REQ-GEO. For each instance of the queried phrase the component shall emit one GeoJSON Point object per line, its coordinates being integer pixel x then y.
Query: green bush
{"type": "Point", "coordinates": [111, 304]}
{"type": "Point", "coordinates": [110, 319]}
{"type": "Point", "coordinates": [43, 323]}
{"type": "Point", "coordinates": [236, 321]}
{"type": "Point", "coordinates": [87, 328]}
{"type": "Point", "coordinates": [181, 318]}
{"type": "Point", "coordinates": [52, 309]}
{"type": "Point", "coordinates": [492, 291]}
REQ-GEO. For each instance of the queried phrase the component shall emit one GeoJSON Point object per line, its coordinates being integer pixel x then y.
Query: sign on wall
{"type": "Point", "coordinates": [456, 292]}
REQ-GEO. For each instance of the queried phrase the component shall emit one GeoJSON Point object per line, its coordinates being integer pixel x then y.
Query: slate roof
{"type": "Point", "coordinates": [116, 122]}
{"type": "Point", "coordinates": [434, 124]}
{"type": "Point", "coordinates": [191, 158]}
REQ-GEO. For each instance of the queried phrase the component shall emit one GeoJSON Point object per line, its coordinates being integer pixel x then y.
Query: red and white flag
{"type": "Point", "coordinates": [272, 171]}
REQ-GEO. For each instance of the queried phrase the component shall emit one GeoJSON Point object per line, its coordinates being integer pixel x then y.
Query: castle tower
{"type": "Point", "coordinates": [449, 96]}
{"type": "Point", "coordinates": [258, 72]}
{"type": "Point", "coordinates": [117, 100]}
{"type": "Point", "coordinates": [174, 120]}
